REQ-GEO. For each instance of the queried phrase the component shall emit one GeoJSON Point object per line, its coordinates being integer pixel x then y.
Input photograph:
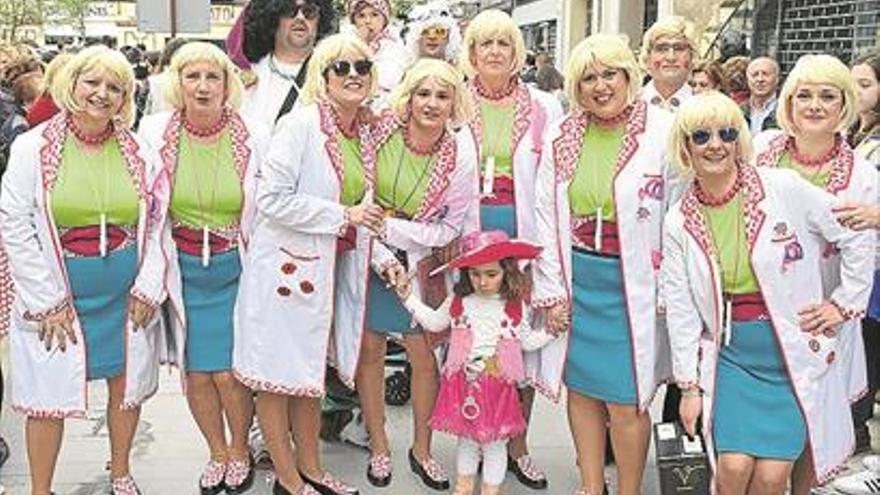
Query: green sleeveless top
{"type": "Point", "coordinates": [353, 182]}
{"type": "Point", "coordinates": [591, 185]}
{"type": "Point", "coordinates": [402, 176]}
{"type": "Point", "coordinates": [497, 137]}
{"type": "Point", "coordinates": [91, 184]}
{"type": "Point", "coordinates": [807, 173]}
{"type": "Point", "coordinates": [728, 228]}
{"type": "Point", "coordinates": [207, 189]}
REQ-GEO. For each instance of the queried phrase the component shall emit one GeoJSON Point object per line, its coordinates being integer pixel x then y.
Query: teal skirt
{"type": "Point", "coordinates": [100, 288]}
{"type": "Point", "coordinates": [498, 217]}
{"type": "Point", "coordinates": [755, 409]}
{"type": "Point", "coordinates": [209, 299]}
{"type": "Point", "coordinates": [385, 312]}
{"type": "Point", "coordinates": [599, 362]}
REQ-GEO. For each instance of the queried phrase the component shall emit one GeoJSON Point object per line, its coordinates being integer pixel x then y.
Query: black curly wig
{"type": "Point", "coordinates": [261, 22]}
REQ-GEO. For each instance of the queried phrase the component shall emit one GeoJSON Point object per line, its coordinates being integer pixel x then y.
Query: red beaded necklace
{"type": "Point", "coordinates": [615, 120]}
{"type": "Point", "coordinates": [90, 139]}
{"type": "Point", "coordinates": [206, 132]}
{"type": "Point", "coordinates": [707, 199]}
{"type": "Point", "coordinates": [806, 161]}
{"type": "Point", "coordinates": [420, 150]}
{"type": "Point", "coordinates": [495, 95]}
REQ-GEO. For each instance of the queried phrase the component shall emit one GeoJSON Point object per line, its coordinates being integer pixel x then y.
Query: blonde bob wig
{"type": "Point", "coordinates": [200, 51]}
{"type": "Point", "coordinates": [673, 27]}
{"type": "Point", "coordinates": [709, 110]}
{"type": "Point", "coordinates": [487, 25]}
{"type": "Point", "coordinates": [817, 69]}
{"type": "Point", "coordinates": [329, 50]}
{"type": "Point", "coordinates": [443, 72]}
{"type": "Point", "coordinates": [91, 58]}
{"type": "Point", "coordinates": [610, 50]}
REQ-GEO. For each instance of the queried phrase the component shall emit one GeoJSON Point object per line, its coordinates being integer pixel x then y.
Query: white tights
{"type": "Point", "coordinates": [494, 460]}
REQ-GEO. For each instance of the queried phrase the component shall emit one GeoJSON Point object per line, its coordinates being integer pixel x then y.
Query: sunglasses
{"type": "Point", "coordinates": [438, 31]}
{"type": "Point", "coordinates": [309, 10]}
{"type": "Point", "coordinates": [702, 136]}
{"type": "Point", "coordinates": [344, 68]}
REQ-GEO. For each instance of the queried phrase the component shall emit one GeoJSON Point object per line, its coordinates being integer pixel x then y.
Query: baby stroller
{"type": "Point", "coordinates": [397, 383]}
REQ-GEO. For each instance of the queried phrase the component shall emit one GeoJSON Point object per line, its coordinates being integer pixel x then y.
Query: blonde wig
{"type": "Point", "coordinates": [709, 110]}
{"type": "Point", "coordinates": [491, 24]}
{"type": "Point", "coordinates": [610, 50]}
{"type": "Point", "coordinates": [462, 108]}
{"type": "Point", "coordinates": [328, 51]}
{"type": "Point", "coordinates": [91, 58]}
{"type": "Point", "coordinates": [673, 27]}
{"type": "Point", "coordinates": [199, 51]}
{"type": "Point", "coordinates": [817, 69]}
{"type": "Point", "coordinates": [53, 70]}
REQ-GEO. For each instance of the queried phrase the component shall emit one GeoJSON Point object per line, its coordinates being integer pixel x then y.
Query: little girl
{"type": "Point", "coordinates": [478, 399]}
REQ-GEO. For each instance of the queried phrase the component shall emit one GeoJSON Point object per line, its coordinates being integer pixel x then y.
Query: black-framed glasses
{"type": "Point", "coordinates": [344, 68]}
{"type": "Point", "coordinates": [702, 136]}
{"type": "Point", "coordinates": [309, 10]}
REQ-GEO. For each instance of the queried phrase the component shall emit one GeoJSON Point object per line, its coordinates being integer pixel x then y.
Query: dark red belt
{"type": "Point", "coordinates": [502, 192]}
{"type": "Point", "coordinates": [748, 307]}
{"type": "Point", "coordinates": [585, 235]}
{"type": "Point", "coordinates": [86, 241]}
{"type": "Point", "coordinates": [189, 241]}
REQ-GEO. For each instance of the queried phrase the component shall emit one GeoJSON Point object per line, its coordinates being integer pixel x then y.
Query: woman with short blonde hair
{"type": "Point", "coordinates": [210, 155]}
{"type": "Point", "coordinates": [80, 226]}
{"type": "Point", "coordinates": [817, 104]}
{"type": "Point", "coordinates": [508, 127]}
{"type": "Point", "coordinates": [602, 190]}
{"type": "Point", "coordinates": [309, 251]}
{"type": "Point", "coordinates": [424, 172]}
{"type": "Point", "coordinates": [753, 322]}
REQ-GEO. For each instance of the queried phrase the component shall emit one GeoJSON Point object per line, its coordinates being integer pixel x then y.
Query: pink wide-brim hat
{"type": "Point", "coordinates": [479, 248]}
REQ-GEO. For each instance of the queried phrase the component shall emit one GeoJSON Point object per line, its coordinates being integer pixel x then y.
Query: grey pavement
{"type": "Point", "coordinates": [169, 452]}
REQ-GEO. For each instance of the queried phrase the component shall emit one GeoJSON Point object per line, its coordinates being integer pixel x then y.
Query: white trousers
{"type": "Point", "coordinates": [494, 459]}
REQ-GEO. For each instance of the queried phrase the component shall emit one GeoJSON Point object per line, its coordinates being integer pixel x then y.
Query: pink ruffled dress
{"type": "Point", "coordinates": [478, 396]}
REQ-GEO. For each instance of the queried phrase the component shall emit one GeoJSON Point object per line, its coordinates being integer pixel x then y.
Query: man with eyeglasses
{"type": "Point", "coordinates": [762, 75]}
{"type": "Point", "coordinates": [278, 38]}
{"type": "Point", "coordinates": [668, 52]}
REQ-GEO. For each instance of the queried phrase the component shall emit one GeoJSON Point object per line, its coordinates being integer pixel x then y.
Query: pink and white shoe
{"type": "Point", "coordinates": [211, 480]}
{"type": "Point", "coordinates": [239, 476]}
{"type": "Point", "coordinates": [527, 472]}
{"type": "Point", "coordinates": [124, 486]}
{"type": "Point", "coordinates": [379, 470]}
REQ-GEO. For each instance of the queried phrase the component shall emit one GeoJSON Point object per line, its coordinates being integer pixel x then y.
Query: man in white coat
{"type": "Point", "coordinates": [667, 55]}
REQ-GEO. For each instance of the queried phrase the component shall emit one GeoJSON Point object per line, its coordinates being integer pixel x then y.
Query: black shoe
{"type": "Point", "coordinates": [212, 490]}
{"type": "Point", "coordinates": [326, 486]}
{"type": "Point", "coordinates": [277, 489]}
{"type": "Point", "coordinates": [422, 473]}
{"type": "Point", "coordinates": [536, 483]}
{"type": "Point", "coordinates": [4, 451]}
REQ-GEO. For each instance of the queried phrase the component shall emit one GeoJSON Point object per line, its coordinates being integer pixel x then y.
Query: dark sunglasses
{"type": "Point", "coordinates": [702, 136]}
{"type": "Point", "coordinates": [309, 10]}
{"type": "Point", "coordinates": [344, 68]}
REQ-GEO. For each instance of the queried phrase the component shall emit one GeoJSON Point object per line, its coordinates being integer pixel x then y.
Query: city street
{"type": "Point", "coordinates": [169, 453]}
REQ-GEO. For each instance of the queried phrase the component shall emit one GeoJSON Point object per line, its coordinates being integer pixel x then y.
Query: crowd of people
{"type": "Point", "coordinates": [269, 217]}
